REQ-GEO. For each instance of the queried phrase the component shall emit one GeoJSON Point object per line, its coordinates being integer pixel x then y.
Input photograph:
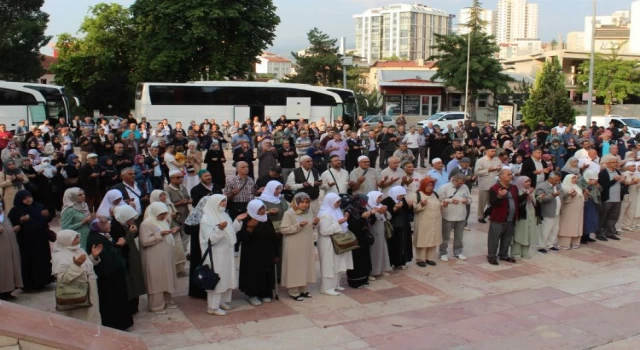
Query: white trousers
{"type": "Point", "coordinates": [214, 299]}
{"type": "Point", "coordinates": [549, 234]}
{"type": "Point", "coordinates": [330, 283]}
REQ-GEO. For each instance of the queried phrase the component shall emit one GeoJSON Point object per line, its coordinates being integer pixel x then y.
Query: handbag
{"type": "Point", "coordinates": [344, 242]}
{"type": "Point", "coordinates": [371, 239]}
{"type": "Point", "coordinates": [72, 296]}
{"type": "Point", "coordinates": [388, 229]}
{"type": "Point", "coordinates": [205, 277]}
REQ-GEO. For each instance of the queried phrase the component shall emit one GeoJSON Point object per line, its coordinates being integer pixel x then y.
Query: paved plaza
{"type": "Point", "coordinates": [587, 298]}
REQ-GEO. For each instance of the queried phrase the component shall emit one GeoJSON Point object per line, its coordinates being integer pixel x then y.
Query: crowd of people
{"type": "Point", "coordinates": [138, 202]}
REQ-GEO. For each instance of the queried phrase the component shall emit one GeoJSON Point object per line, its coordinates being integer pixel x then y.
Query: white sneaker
{"type": "Point", "coordinates": [371, 278]}
{"type": "Point", "coordinates": [226, 307]}
{"type": "Point", "coordinates": [160, 312]}
{"type": "Point", "coordinates": [461, 257]}
{"type": "Point", "coordinates": [217, 312]}
{"type": "Point", "coordinates": [266, 300]}
{"type": "Point", "coordinates": [444, 258]}
{"type": "Point", "coordinates": [467, 228]}
{"type": "Point", "coordinates": [255, 301]}
{"type": "Point", "coordinates": [385, 274]}
{"type": "Point", "coordinates": [171, 305]}
{"type": "Point", "coordinates": [339, 289]}
{"type": "Point", "coordinates": [330, 292]}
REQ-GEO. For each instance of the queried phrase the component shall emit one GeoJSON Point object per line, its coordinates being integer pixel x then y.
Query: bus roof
{"type": "Point", "coordinates": [11, 84]}
{"type": "Point", "coordinates": [20, 87]}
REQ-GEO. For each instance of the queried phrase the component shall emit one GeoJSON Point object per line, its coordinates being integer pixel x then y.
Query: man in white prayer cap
{"type": "Point", "coordinates": [364, 178]}
{"type": "Point", "coordinates": [438, 173]}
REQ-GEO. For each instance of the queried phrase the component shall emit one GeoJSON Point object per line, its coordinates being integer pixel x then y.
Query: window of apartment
{"type": "Point", "coordinates": [483, 101]}
{"type": "Point", "coordinates": [456, 101]}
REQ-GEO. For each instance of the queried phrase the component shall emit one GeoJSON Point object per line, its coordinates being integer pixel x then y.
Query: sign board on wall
{"type": "Point", "coordinates": [505, 112]}
{"type": "Point", "coordinates": [392, 105]}
{"type": "Point", "coordinates": [411, 105]}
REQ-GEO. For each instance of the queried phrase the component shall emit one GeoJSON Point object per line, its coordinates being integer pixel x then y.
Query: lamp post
{"type": "Point", "coordinates": [591, 63]}
{"type": "Point", "coordinates": [466, 89]}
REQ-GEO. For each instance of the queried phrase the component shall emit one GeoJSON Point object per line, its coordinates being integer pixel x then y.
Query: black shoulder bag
{"type": "Point", "coordinates": [205, 277]}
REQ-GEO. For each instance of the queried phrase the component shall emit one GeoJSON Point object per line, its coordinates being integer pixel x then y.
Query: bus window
{"type": "Point", "coordinates": [37, 113]}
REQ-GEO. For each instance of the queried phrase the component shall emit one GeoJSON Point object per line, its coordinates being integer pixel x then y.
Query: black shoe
{"type": "Point", "coordinates": [617, 233]}
{"type": "Point", "coordinates": [601, 238]}
{"type": "Point", "coordinates": [543, 251]}
{"type": "Point", "coordinates": [482, 221]}
{"type": "Point", "coordinates": [590, 240]}
{"type": "Point", "coordinates": [493, 261]}
{"type": "Point", "coordinates": [613, 237]}
{"type": "Point", "coordinates": [554, 249]}
{"type": "Point", "coordinates": [431, 262]}
{"type": "Point", "coordinates": [583, 241]}
{"type": "Point", "coordinates": [306, 295]}
{"type": "Point", "coordinates": [421, 264]}
{"type": "Point", "coordinates": [509, 259]}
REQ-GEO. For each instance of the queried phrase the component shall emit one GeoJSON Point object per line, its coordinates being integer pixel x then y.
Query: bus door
{"type": "Point", "coordinates": [241, 114]}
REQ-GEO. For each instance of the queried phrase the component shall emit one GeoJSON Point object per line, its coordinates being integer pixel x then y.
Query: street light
{"type": "Point", "coordinates": [591, 63]}
{"type": "Point", "coordinates": [466, 90]}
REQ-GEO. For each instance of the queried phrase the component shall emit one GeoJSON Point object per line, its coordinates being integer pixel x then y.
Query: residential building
{"type": "Point", "coordinates": [575, 41]}
{"type": "Point", "coordinates": [46, 62]}
{"type": "Point", "coordinates": [465, 15]}
{"type": "Point", "coordinates": [272, 64]}
{"type": "Point", "coordinates": [515, 19]}
{"type": "Point", "coordinates": [634, 35]}
{"type": "Point", "coordinates": [400, 30]}
{"type": "Point", "coordinates": [611, 32]}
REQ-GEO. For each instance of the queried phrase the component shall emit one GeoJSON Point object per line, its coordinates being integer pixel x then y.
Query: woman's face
{"type": "Point", "coordinates": [76, 240]}
{"type": "Point", "coordinates": [592, 182]}
{"type": "Point", "coordinates": [574, 180]}
{"type": "Point", "coordinates": [163, 197]}
{"type": "Point", "coordinates": [131, 221]}
{"type": "Point", "coordinates": [429, 187]}
{"type": "Point", "coordinates": [336, 204]}
{"type": "Point", "coordinates": [304, 204]}
{"type": "Point", "coordinates": [28, 200]}
{"type": "Point", "coordinates": [527, 184]}
{"type": "Point", "coordinates": [518, 160]}
{"type": "Point", "coordinates": [574, 163]}
{"type": "Point", "coordinates": [116, 202]}
{"type": "Point", "coordinates": [400, 197]}
{"type": "Point", "coordinates": [262, 210]}
{"type": "Point", "coordinates": [80, 197]}
{"type": "Point", "coordinates": [192, 147]}
{"type": "Point", "coordinates": [223, 203]}
{"type": "Point", "coordinates": [277, 191]}
{"type": "Point", "coordinates": [162, 217]}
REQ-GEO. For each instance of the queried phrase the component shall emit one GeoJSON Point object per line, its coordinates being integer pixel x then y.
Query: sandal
{"type": "Point", "coordinates": [306, 295]}
{"type": "Point", "coordinates": [297, 297]}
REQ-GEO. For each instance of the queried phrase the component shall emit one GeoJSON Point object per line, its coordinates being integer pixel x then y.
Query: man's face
{"type": "Point", "coordinates": [391, 130]}
{"type": "Point", "coordinates": [2, 127]}
{"type": "Point", "coordinates": [128, 176]}
{"type": "Point", "coordinates": [336, 162]}
{"type": "Point", "coordinates": [613, 149]}
{"type": "Point", "coordinates": [243, 169]}
{"type": "Point", "coordinates": [118, 148]}
{"type": "Point", "coordinates": [536, 154]}
{"type": "Point", "coordinates": [132, 126]}
{"type": "Point", "coordinates": [92, 161]}
{"type": "Point", "coordinates": [306, 164]}
{"type": "Point", "coordinates": [457, 182]}
{"type": "Point", "coordinates": [464, 166]}
{"type": "Point", "coordinates": [554, 180]}
{"type": "Point", "coordinates": [364, 164]}
{"type": "Point", "coordinates": [506, 176]}
{"type": "Point", "coordinates": [37, 133]}
{"type": "Point", "coordinates": [491, 153]}
{"type": "Point", "coordinates": [438, 165]}
{"type": "Point", "coordinates": [176, 179]}
{"type": "Point", "coordinates": [403, 147]}
{"type": "Point", "coordinates": [393, 164]}
{"type": "Point", "coordinates": [179, 135]}
{"type": "Point", "coordinates": [154, 151]}
{"type": "Point", "coordinates": [409, 169]}
{"type": "Point", "coordinates": [459, 155]}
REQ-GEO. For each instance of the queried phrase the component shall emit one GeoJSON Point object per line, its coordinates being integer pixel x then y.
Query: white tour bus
{"type": "Point", "coordinates": [13, 102]}
{"type": "Point", "coordinates": [238, 101]}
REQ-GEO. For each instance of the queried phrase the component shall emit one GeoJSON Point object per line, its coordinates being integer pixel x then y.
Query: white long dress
{"type": "Point", "coordinates": [331, 264]}
{"type": "Point", "coordinates": [223, 254]}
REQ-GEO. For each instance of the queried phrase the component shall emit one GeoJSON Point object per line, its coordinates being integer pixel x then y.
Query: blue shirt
{"type": "Point", "coordinates": [441, 177]}
{"type": "Point", "coordinates": [452, 165]}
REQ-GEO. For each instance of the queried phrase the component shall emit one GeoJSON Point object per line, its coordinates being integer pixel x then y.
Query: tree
{"type": "Point", "coordinates": [554, 44]}
{"type": "Point", "coordinates": [476, 24]}
{"type": "Point", "coordinates": [97, 65]}
{"type": "Point", "coordinates": [22, 26]}
{"type": "Point", "coordinates": [178, 40]}
{"type": "Point", "coordinates": [549, 101]}
{"type": "Point", "coordinates": [451, 61]}
{"type": "Point", "coordinates": [320, 64]}
{"type": "Point", "coordinates": [614, 80]}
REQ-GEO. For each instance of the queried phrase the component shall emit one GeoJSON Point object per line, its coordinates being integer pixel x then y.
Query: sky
{"type": "Point", "coordinates": [335, 17]}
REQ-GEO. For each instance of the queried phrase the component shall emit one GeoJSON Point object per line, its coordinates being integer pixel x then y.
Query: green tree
{"type": "Point", "coordinates": [549, 101]}
{"type": "Point", "coordinates": [178, 40]}
{"type": "Point", "coordinates": [320, 64]}
{"type": "Point", "coordinates": [451, 61]}
{"type": "Point", "coordinates": [22, 26]}
{"type": "Point", "coordinates": [614, 80]}
{"type": "Point", "coordinates": [97, 65]}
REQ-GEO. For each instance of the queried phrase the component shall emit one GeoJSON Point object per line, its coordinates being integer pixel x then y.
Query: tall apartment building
{"type": "Point", "coordinates": [405, 31]}
{"type": "Point", "coordinates": [465, 15]}
{"type": "Point", "coordinates": [515, 19]}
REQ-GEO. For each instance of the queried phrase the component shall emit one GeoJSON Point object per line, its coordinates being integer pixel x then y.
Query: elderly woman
{"type": "Point", "coordinates": [12, 180]}
{"type": "Point", "coordinates": [571, 214]}
{"type": "Point", "coordinates": [75, 214]}
{"type": "Point", "coordinates": [527, 228]}
{"type": "Point", "coordinates": [193, 164]}
{"type": "Point", "coordinates": [400, 246]}
{"type": "Point", "coordinates": [111, 200]}
{"type": "Point", "coordinates": [112, 276]}
{"type": "Point", "coordinates": [570, 168]}
{"type": "Point", "coordinates": [628, 206]}
{"type": "Point", "coordinates": [72, 265]}
{"type": "Point", "coordinates": [123, 227]}
{"type": "Point", "coordinates": [298, 229]}
{"type": "Point", "coordinates": [32, 231]}
{"type": "Point", "coordinates": [9, 258]}
{"type": "Point", "coordinates": [591, 190]}
{"type": "Point", "coordinates": [427, 236]}
{"type": "Point", "coordinates": [156, 243]}
{"type": "Point", "coordinates": [179, 255]}
{"type": "Point", "coordinates": [276, 206]}
{"type": "Point", "coordinates": [332, 265]}
{"type": "Point", "coordinates": [359, 222]}
{"type": "Point", "coordinates": [380, 264]}
{"type": "Point", "coordinates": [218, 233]}
{"type": "Point", "coordinates": [258, 237]}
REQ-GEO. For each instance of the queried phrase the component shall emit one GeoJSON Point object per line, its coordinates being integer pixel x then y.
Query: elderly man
{"type": "Point", "coordinates": [306, 179]}
{"type": "Point", "coordinates": [548, 194]}
{"type": "Point", "coordinates": [154, 163]}
{"type": "Point", "coordinates": [239, 190]}
{"type": "Point", "coordinates": [535, 168]}
{"type": "Point", "coordinates": [206, 187]}
{"type": "Point", "coordinates": [179, 196]}
{"type": "Point", "coordinates": [455, 197]}
{"type": "Point", "coordinates": [611, 181]}
{"type": "Point", "coordinates": [392, 175]}
{"type": "Point", "coordinates": [287, 156]}
{"type": "Point", "coordinates": [364, 178]}
{"type": "Point", "coordinates": [335, 179]}
{"type": "Point", "coordinates": [403, 154]}
{"type": "Point", "coordinates": [590, 162]}
{"type": "Point", "coordinates": [503, 197]}
{"type": "Point", "coordinates": [486, 170]}
{"type": "Point", "coordinates": [132, 194]}
{"type": "Point", "coordinates": [464, 168]}
{"type": "Point", "coordinates": [438, 173]}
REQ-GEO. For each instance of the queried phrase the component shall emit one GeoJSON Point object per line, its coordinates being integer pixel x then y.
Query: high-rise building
{"type": "Point", "coordinates": [575, 41]}
{"type": "Point", "coordinates": [465, 15]}
{"type": "Point", "coordinates": [405, 31]}
{"type": "Point", "coordinates": [515, 19]}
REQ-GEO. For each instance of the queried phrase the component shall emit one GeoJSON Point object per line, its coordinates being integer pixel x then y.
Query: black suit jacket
{"type": "Point", "coordinates": [125, 194]}
{"type": "Point", "coordinates": [606, 183]}
{"type": "Point", "coordinates": [528, 167]}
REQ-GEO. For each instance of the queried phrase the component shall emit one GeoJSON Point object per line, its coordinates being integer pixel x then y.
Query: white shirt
{"type": "Point", "coordinates": [169, 159]}
{"type": "Point", "coordinates": [341, 180]}
{"type": "Point", "coordinates": [115, 123]}
{"type": "Point", "coordinates": [561, 129]}
{"type": "Point", "coordinates": [134, 192]}
{"type": "Point", "coordinates": [593, 164]}
{"type": "Point", "coordinates": [399, 173]}
{"type": "Point", "coordinates": [582, 153]}
{"type": "Point", "coordinates": [412, 140]}
{"type": "Point", "coordinates": [415, 183]}
{"type": "Point", "coordinates": [291, 180]}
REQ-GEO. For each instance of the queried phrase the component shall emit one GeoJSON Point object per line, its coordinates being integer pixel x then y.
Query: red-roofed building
{"type": "Point", "coordinates": [270, 63]}
{"type": "Point", "coordinates": [47, 62]}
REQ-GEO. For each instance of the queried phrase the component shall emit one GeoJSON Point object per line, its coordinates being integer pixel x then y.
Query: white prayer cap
{"type": "Point", "coordinates": [361, 158]}
{"type": "Point", "coordinates": [154, 144]}
{"type": "Point", "coordinates": [92, 155]}
{"type": "Point", "coordinates": [174, 172]}
{"type": "Point", "coordinates": [305, 158]}
{"type": "Point", "coordinates": [436, 160]}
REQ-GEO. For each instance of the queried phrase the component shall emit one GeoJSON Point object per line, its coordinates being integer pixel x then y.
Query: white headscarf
{"type": "Point", "coordinates": [154, 197]}
{"type": "Point", "coordinates": [70, 200]}
{"type": "Point", "coordinates": [252, 210]}
{"type": "Point", "coordinates": [396, 191]}
{"type": "Point", "coordinates": [214, 215]}
{"type": "Point", "coordinates": [268, 193]}
{"type": "Point", "coordinates": [124, 213]}
{"type": "Point", "coordinates": [373, 199]}
{"type": "Point", "coordinates": [590, 174]}
{"type": "Point", "coordinates": [64, 252]}
{"type": "Point", "coordinates": [151, 217]}
{"type": "Point", "coordinates": [48, 169]}
{"type": "Point", "coordinates": [328, 209]}
{"type": "Point", "coordinates": [567, 186]}
{"type": "Point", "coordinates": [107, 203]}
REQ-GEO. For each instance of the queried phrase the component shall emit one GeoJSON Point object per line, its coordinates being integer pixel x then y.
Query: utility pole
{"type": "Point", "coordinates": [466, 90]}
{"type": "Point", "coordinates": [591, 63]}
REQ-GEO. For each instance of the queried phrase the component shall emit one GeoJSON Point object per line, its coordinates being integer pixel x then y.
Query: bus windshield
{"type": "Point", "coordinates": [57, 102]}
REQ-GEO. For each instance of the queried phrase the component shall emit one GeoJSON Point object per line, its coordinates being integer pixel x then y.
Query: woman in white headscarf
{"type": "Point", "coordinates": [217, 229]}
{"type": "Point", "coordinates": [47, 169]}
{"type": "Point", "coordinates": [628, 205]}
{"type": "Point", "coordinates": [75, 214]}
{"type": "Point", "coordinates": [571, 213]}
{"type": "Point", "coordinates": [332, 265]}
{"type": "Point", "coordinates": [400, 245]}
{"type": "Point", "coordinates": [380, 264]}
{"type": "Point", "coordinates": [276, 205]}
{"type": "Point", "coordinates": [156, 248]}
{"type": "Point", "coordinates": [71, 264]}
{"type": "Point", "coordinates": [179, 255]}
{"type": "Point", "coordinates": [193, 165]}
{"type": "Point", "coordinates": [258, 238]}
{"type": "Point", "coordinates": [111, 200]}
